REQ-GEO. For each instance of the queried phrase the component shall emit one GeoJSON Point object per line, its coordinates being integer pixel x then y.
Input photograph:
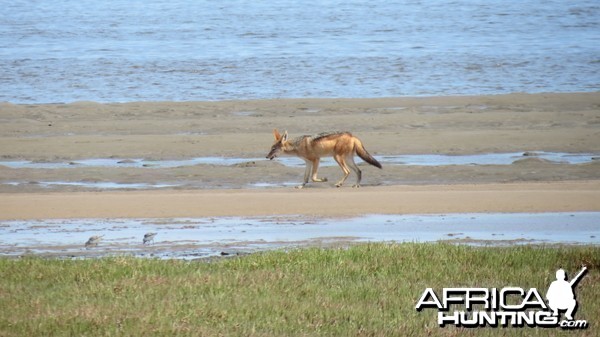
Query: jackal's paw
{"type": "Point", "coordinates": [324, 180]}
{"type": "Point", "coordinates": [299, 187]}
{"type": "Point", "coordinates": [338, 184]}
{"type": "Point", "coordinates": [355, 186]}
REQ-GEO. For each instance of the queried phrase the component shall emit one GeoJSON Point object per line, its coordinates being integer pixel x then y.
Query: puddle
{"type": "Point", "coordinates": [128, 163]}
{"type": "Point", "coordinates": [245, 113]}
{"type": "Point", "coordinates": [412, 160]}
{"type": "Point", "coordinates": [486, 158]}
{"type": "Point", "coordinates": [105, 185]}
{"type": "Point", "coordinates": [268, 185]}
{"type": "Point", "coordinates": [93, 185]}
{"type": "Point", "coordinates": [189, 238]}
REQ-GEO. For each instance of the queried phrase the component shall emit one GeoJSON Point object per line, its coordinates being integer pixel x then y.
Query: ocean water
{"type": "Point", "coordinates": [182, 50]}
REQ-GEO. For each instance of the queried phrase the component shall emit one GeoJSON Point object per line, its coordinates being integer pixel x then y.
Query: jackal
{"type": "Point", "coordinates": [340, 145]}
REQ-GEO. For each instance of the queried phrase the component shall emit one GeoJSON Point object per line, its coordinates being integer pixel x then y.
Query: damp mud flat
{"type": "Point", "coordinates": [89, 146]}
{"type": "Point", "coordinates": [192, 238]}
{"type": "Point", "coordinates": [174, 131]}
{"type": "Point", "coordinates": [199, 160]}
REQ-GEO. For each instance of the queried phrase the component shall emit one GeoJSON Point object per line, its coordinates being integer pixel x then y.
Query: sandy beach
{"type": "Point", "coordinates": [436, 199]}
{"type": "Point", "coordinates": [520, 123]}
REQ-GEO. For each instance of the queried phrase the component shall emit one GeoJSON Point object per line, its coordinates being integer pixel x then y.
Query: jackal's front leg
{"type": "Point", "coordinates": [306, 174]}
{"type": "Point", "coordinates": [315, 168]}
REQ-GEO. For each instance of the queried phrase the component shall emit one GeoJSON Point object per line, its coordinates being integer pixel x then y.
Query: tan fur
{"type": "Point", "coordinates": [340, 145]}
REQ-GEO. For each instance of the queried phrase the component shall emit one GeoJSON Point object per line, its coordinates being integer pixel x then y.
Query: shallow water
{"type": "Point", "coordinates": [193, 238]}
{"type": "Point", "coordinates": [409, 159]}
{"type": "Point", "coordinates": [182, 50]}
{"type": "Point", "coordinates": [386, 160]}
{"type": "Point", "coordinates": [100, 185]}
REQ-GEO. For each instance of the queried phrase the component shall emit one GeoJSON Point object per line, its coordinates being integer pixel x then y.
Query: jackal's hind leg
{"type": "Point", "coordinates": [340, 160]}
{"type": "Point", "coordinates": [315, 168]}
{"type": "Point", "coordinates": [356, 170]}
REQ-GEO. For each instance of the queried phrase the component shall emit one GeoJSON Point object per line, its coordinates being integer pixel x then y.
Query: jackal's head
{"type": "Point", "coordinates": [278, 145]}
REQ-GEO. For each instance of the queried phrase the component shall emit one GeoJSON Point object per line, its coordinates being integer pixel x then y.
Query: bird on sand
{"type": "Point", "coordinates": [149, 237]}
{"type": "Point", "coordinates": [93, 241]}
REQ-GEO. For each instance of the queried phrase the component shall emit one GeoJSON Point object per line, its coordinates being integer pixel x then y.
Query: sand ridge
{"type": "Point", "coordinates": [430, 199]}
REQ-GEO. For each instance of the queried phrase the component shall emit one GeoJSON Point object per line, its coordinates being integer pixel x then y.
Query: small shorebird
{"type": "Point", "coordinates": [148, 237]}
{"type": "Point", "coordinates": [93, 241]}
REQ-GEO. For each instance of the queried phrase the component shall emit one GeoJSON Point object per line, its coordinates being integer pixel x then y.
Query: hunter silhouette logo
{"type": "Point", "coordinates": [509, 306]}
{"type": "Point", "coordinates": [560, 295]}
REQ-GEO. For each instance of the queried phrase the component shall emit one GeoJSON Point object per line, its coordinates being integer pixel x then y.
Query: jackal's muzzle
{"type": "Point", "coordinates": [274, 152]}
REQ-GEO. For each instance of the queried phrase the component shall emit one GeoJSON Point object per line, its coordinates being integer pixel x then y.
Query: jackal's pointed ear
{"type": "Point", "coordinates": [284, 136]}
{"type": "Point", "coordinates": [276, 134]}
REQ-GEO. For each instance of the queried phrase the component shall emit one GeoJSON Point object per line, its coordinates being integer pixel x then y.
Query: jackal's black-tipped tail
{"type": "Point", "coordinates": [364, 155]}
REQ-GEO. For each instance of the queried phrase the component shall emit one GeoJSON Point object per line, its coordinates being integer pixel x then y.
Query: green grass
{"type": "Point", "coordinates": [364, 290]}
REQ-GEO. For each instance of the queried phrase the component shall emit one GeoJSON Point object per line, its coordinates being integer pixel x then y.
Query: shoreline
{"type": "Point", "coordinates": [440, 98]}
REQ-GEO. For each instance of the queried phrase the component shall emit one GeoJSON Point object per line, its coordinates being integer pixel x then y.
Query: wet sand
{"type": "Point", "coordinates": [167, 130]}
{"type": "Point", "coordinates": [252, 186]}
